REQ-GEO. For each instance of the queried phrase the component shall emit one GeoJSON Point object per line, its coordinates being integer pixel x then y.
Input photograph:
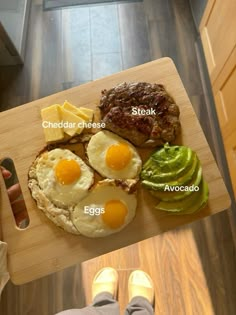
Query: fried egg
{"type": "Point", "coordinates": [106, 210]}
{"type": "Point", "coordinates": [63, 177]}
{"type": "Point", "coordinates": [113, 157]}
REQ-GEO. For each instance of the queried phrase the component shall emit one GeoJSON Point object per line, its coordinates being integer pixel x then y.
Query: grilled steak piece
{"type": "Point", "coordinates": [120, 104]}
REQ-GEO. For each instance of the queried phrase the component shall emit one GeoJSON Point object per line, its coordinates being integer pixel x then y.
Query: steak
{"type": "Point", "coordinates": [120, 104]}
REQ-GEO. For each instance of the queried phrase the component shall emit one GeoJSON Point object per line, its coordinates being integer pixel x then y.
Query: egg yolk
{"type": "Point", "coordinates": [118, 156]}
{"type": "Point", "coordinates": [67, 171]}
{"type": "Point", "coordinates": [114, 214]}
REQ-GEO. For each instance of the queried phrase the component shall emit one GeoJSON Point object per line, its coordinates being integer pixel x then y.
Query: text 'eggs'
{"type": "Point", "coordinates": [120, 209]}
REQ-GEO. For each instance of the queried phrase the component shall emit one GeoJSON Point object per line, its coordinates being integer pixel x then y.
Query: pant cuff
{"type": "Point", "coordinates": [139, 305]}
{"type": "Point", "coordinates": [103, 298]}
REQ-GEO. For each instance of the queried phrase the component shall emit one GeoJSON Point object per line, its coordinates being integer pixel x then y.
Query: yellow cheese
{"type": "Point", "coordinates": [72, 121]}
{"type": "Point", "coordinates": [51, 117]}
{"type": "Point", "coordinates": [88, 112]}
{"type": "Point", "coordinates": [71, 108]}
{"type": "Point", "coordinates": [83, 116]}
{"type": "Point", "coordinates": [75, 110]}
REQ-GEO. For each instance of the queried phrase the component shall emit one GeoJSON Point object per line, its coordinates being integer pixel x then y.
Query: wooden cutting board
{"type": "Point", "coordinates": [43, 248]}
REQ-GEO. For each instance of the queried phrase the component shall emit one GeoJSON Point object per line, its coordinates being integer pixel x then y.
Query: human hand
{"type": "Point", "coordinates": [14, 192]}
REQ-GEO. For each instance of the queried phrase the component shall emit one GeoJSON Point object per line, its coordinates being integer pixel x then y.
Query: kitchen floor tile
{"type": "Point", "coordinates": [79, 21]}
{"type": "Point", "coordinates": [133, 27]}
{"type": "Point", "coordinates": [134, 58]}
{"type": "Point", "coordinates": [105, 37]}
{"type": "Point", "coordinates": [106, 64]}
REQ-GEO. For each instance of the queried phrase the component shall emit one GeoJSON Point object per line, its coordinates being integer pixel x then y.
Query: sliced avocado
{"type": "Point", "coordinates": [171, 158]}
{"type": "Point", "coordinates": [182, 167]}
{"type": "Point", "coordinates": [168, 163]}
{"type": "Point", "coordinates": [179, 174]}
{"type": "Point", "coordinates": [202, 201]}
{"type": "Point", "coordinates": [179, 181]}
{"type": "Point", "coordinates": [190, 204]}
{"type": "Point", "coordinates": [179, 195]}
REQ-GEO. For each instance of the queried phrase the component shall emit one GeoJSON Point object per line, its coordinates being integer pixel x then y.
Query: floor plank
{"type": "Point", "coordinates": [178, 289]}
{"type": "Point", "coordinates": [135, 47]}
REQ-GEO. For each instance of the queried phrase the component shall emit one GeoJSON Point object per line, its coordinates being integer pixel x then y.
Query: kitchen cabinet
{"type": "Point", "coordinates": [218, 36]}
{"type": "Point", "coordinates": [14, 16]}
{"type": "Point", "coordinates": [8, 53]}
{"type": "Point", "coordinates": [197, 8]}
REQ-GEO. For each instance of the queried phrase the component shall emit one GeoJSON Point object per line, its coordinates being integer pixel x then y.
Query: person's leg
{"type": "Point", "coordinates": [139, 306]}
{"type": "Point", "coordinates": [103, 304]}
{"type": "Point", "coordinates": [141, 294]}
{"type": "Point", "coordinates": [104, 291]}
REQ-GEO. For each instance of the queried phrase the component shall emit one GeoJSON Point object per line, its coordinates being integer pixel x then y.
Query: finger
{"type": "Point", "coordinates": [6, 174]}
{"type": "Point", "coordinates": [14, 192]}
{"type": "Point", "coordinates": [19, 210]}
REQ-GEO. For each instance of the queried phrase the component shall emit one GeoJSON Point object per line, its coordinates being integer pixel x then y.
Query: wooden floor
{"type": "Point", "coordinates": [194, 268]}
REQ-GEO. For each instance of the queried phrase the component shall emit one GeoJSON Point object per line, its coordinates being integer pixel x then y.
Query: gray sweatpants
{"type": "Point", "coordinates": [104, 304]}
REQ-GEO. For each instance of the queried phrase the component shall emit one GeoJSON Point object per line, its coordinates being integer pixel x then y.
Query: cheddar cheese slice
{"type": "Point", "coordinates": [51, 117]}
{"type": "Point", "coordinates": [72, 123]}
{"type": "Point", "coordinates": [75, 110]}
{"type": "Point", "coordinates": [88, 112]}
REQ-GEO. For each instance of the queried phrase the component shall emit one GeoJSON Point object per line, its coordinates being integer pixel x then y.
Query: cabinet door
{"type": "Point", "coordinates": [224, 90]}
{"type": "Point", "coordinates": [217, 28]}
{"type": "Point", "coordinates": [8, 52]}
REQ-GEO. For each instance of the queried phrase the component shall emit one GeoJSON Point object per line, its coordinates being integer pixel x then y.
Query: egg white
{"type": "Point", "coordinates": [93, 225]}
{"type": "Point", "coordinates": [62, 195]}
{"type": "Point", "coordinates": [97, 149]}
